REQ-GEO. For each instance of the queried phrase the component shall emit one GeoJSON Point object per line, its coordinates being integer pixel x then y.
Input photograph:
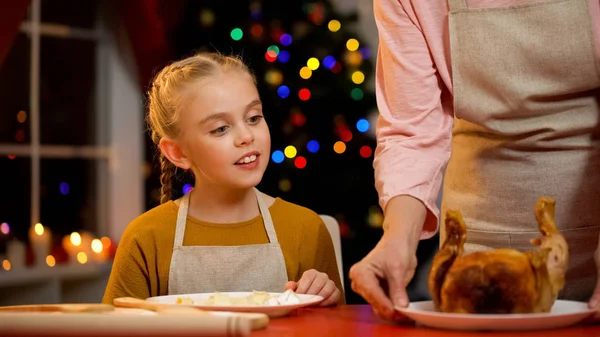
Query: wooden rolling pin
{"type": "Point", "coordinates": [66, 308]}
{"type": "Point", "coordinates": [257, 320]}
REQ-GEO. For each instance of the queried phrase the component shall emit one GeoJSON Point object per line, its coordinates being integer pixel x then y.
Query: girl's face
{"type": "Point", "coordinates": [224, 134]}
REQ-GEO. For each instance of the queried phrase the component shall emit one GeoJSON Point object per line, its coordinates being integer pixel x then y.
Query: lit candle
{"type": "Point", "coordinates": [50, 261]}
{"type": "Point", "coordinates": [72, 245]}
{"type": "Point", "coordinates": [99, 253]}
{"type": "Point", "coordinates": [40, 238]}
{"type": "Point", "coordinates": [15, 254]}
{"type": "Point", "coordinates": [86, 245]}
{"type": "Point", "coordinates": [6, 264]}
{"type": "Point", "coordinates": [5, 233]}
{"type": "Point", "coordinates": [4, 228]}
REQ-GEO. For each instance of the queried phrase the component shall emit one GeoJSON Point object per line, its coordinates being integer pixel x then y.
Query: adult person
{"type": "Point", "coordinates": [501, 99]}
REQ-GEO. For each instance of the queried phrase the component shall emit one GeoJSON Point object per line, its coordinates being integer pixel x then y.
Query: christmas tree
{"type": "Point", "coordinates": [311, 72]}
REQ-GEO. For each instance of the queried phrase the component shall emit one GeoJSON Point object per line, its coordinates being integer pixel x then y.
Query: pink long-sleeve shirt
{"type": "Point", "coordinates": [414, 95]}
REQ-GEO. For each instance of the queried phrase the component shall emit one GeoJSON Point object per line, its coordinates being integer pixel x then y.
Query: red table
{"type": "Point", "coordinates": [359, 320]}
{"type": "Point", "coordinates": [343, 321]}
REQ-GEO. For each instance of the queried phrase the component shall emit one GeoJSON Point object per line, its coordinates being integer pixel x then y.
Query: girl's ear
{"type": "Point", "coordinates": [174, 153]}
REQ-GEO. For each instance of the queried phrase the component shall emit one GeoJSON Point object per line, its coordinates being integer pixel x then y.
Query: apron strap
{"type": "Point", "coordinates": [455, 5]}
{"type": "Point", "coordinates": [182, 217]}
{"type": "Point", "coordinates": [266, 215]}
{"type": "Point", "coordinates": [181, 220]}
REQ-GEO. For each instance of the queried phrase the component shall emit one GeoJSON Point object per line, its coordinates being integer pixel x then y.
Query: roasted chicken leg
{"type": "Point", "coordinates": [502, 280]}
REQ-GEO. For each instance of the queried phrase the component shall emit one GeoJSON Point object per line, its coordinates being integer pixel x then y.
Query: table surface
{"type": "Point", "coordinates": [359, 320]}
{"type": "Point", "coordinates": [347, 320]}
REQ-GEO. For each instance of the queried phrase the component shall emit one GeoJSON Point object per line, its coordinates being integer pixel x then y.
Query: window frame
{"type": "Point", "coordinates": [119, 180]}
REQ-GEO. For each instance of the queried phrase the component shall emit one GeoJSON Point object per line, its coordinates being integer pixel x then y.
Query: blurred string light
{"type": "Point", "coordinates": [316, 12]}
{"type": "Point", "coordinates": [375, 217]}
{"type": "Point", "coordinates": [6, 265]}
{"type": "Point", "coordinates": [337, 67]}
{"type": "Point", "coordinates": [298, 118]}
{"type": "Point", "coordinates": [345, 134]}
{"type": "Point", "coordinates": [21, 116]}
{"type": "Point", "coordinates": [256, 30]}
{"type": "Point", "coordinates": [274, 48]}
{"type": "Point", "coordinates": [305, 72]}
{"type": "Point", "coordinates": [300, 162]}
{"type": "Point", "coordinates": [283, 91]}
{"type": "Point", "coordinates": [285, 39]}
{"type": "Point", "coordinates": [334, 25]}
{"type": "Point", "coordinates": [255, 10]}
{"type": "Point", "coordinates": [339, 147]}
{"type": "Point", "coordinates": [313, 146]}
{"type": "Point", "coordinates": [329, 62]}
{"type": "Point", "coordinates": [271, 56]}
{"type": "Point", "coordinates": [273, 77]}
{"type": "Point", "coordinates": [357, 94]}
{"type": "Point", "coordinates": [64, 188]}
{"type": "Point", "coordinates": [290, 151]}
{"type": "Point", "coordinates": [358, 77]}
{"type": "Point", "coordinates": [206, 17]}
{"type": "Point", "coordinates": [353, 58]}
{"type": "Point", "coordinates": [187, 188]}
{"type": "Point", "coordinates": [276, 34]}
{"type": "Point", "coordinates": [236, 34]}
{"type": "Point", "coordinates": [365, 52]}
{"type": "Point", "coordinates": [362, 125]}
{"type": "Point", "coordinates": [277, 156]}
{"type": "Point", "coordinates": [283, 56]}
{"type": "Point", "coordinates": [304, 94]}
{"type": "Point", "coordinates": [352, 44]}
{"type": "Point", "coordinates": [285, 185]}
{"type": "Point", "coordinates": [312, 63]}
{"type": "Point", "coordinates": [5, 228]}
{"type": "Point", "coordinates": [365, 151]}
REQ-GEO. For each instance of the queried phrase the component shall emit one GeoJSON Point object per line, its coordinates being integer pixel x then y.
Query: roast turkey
{"type": "Point", "coordinates": [500, 281]}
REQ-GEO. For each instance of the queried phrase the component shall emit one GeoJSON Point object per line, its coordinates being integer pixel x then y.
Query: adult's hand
{"type": "Point", "coordinates": [594, 302]}
{"type": "Point", "coordinates": [382, 276]}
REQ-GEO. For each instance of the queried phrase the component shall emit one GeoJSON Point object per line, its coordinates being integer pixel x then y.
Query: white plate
{"type": "Point", "coordinates": [270, 310]}
{"type": "Point", "coordinates": [563, 314]}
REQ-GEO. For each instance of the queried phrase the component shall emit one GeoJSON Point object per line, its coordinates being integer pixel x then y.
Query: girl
{"type": "Point", "coordinates": [206, 117]}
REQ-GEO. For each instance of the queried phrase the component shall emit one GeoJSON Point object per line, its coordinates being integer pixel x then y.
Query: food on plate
{"type": "Point", "coordinates": [500, 281]}
{"type": "Point", "coordinates": [289, 297]}
{"type": "Point", "coordinates": [184, 300]}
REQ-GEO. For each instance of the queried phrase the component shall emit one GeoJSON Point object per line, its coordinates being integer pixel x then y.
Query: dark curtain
{"type": "Point", "coordinates": [12, 13]}
{"type": "Point", "coordinates": [147, 23]}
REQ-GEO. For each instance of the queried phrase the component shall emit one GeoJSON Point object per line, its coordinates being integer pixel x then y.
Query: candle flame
{"type": "Point", "coordinates": [50, 261]}
{"type": "Point", "coordinates": [75, 239]}
{"type": "Point", "coordinates": [39, 229]}
{"type": "Point", "coordinates": [97, 246]}
{"type": "Point", "coordinates": [6, 265]}
{"type": "Point", "coordinates": [81, 257]}
{"type": "Point", "coordinates": [105, 242]}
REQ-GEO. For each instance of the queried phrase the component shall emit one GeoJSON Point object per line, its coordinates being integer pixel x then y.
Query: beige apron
{"type": "Point", "coordinates": [205, 269]}
{"type": "Point", "coordinates": [526, 105]}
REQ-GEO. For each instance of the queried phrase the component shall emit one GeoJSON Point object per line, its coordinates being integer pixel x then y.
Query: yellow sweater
{"type": "Point", "coordinates": [143, 258]}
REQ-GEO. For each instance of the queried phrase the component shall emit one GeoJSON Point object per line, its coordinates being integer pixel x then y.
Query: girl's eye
{"type": "Point", "coordinates": [255, 119]}
{"type": "Point", "coordinates": [219, 130]}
